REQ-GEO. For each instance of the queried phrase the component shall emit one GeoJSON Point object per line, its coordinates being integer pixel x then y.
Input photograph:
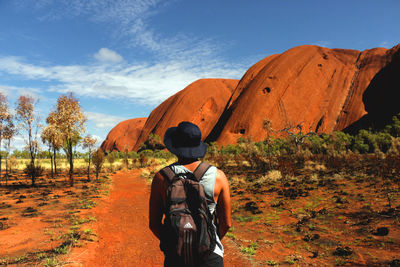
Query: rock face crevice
{"type": "Point", "coordinates": [323, 89]}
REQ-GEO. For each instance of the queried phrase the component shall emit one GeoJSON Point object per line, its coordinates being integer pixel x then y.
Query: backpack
{"type": "Point", "coordinates": [188, 232]}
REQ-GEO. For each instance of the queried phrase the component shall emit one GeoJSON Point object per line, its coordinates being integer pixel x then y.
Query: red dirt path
{"type": "Point", "coordinates": [122, 229]}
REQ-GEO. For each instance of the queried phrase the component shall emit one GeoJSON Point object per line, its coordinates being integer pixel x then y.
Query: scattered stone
{"type": "Point", "coordinates": [56, 196]}
{"type": "Point", "coordinates": [395, 263]}
{"type": "Point", "coordinates": [276, 204]}
{"type": "Point", "coordinates": [30, 210]}
{"type": "Point", "coordinates": [323, 211]}
{"type": "Point", "coordinates": [252, 207]}
{"type": "Point", "coordinates": [42, 204]}
{"type": "Point", "coordinates": [4, 205]}
{"type": "Point", "coordinates": [343, 251]}
{"type": "Point", "coordinates": [381, 231]}
{"type": "Point", "coordinates": [69, 192]}
{"type": "Point", "coordinates": [4, 219]}
{"type": "Point", "coordinates": [293, 193]}
{"type": "Point", "coordinates": [314, 254]}
{"type": "Point", "coordinates": [363, 222]}
{"type": "Point", "coordinates": [85, 187]}
{"type": "Point", "coordinates": [313, 214]}
{"type": "Point", "coordinates": [19, 201]}
{"type": "Point", "coordinates": [309, 238]}
{"type": "Point", "coordinates": [390, 212]}
{"type": "Point", "coordinates": [340, 200]}
{"type": "Point", "coordinates": [21, 196]}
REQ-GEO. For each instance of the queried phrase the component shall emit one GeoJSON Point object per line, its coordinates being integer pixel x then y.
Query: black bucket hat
{"type": "Point", "coordinates": [185, 141]}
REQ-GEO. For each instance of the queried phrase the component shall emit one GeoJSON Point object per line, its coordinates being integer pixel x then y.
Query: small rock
{"type": "Point", "coordinates": [395, 263]}
{"type": "Point", "coordinates": [323, 211]}
{"type": "Point", "coordinates": [343, 251]}
{"type": "Point", "coordinates": [314, 254]}
{"type": "Point", "coordinates": [340, 200]}
{"type": "Point", "coordinates": [382, 231]}
{"type": "Point", "coordinates": [252, 207]}
{"type": "Point", "coordinates": [19, 201]}
{"type": "Point", "coordinates": [30, 210]}
{"type": "Point", "coordinates": [4, 205]}
{"type": "Point", "coordinates": [309, 238]}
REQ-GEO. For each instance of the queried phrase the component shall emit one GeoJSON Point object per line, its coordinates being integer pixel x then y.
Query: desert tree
{"type": "Point", "coordinates": [98, 161]}
{"type": "Point", "coordinates": [89, 143]}
{"type": "Point", "coordinates": [70, 122]}
{"type": "Point", "coordinates": [8, 134]}
{"type": "Point", "coordinates": [125, 159]}
{"type": "Point", "coordinates": [53, 138]}
{"type": "Point", "coordinates": [29, 123]}
{"type": "Point", "coordinates": [297, 134]}
{"type": "Point", "coordinates": [4, 118]}
{"type": "Point", "coordinates": [111, 157]}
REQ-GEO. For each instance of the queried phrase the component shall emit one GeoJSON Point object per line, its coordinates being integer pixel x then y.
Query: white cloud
{"type": "Point", "coordinates": [324, 43]}
{"type": "Point", "coordinates": [178, 59]}
{"type": "Point", "coordinates": [13, 92]}
{"type": "Point", "coordinates": [103, 121]}
{"type": "Point", "coordinates": [386, 44]}
{"type": "Point", "coordinates": [146, 83]}
{"type": "Point", "coordinates": [107, 55]}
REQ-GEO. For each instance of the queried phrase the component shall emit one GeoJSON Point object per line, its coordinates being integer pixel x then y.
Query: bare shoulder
{"type": "Point", "coordinates": [221, 175]}
{"type": "Point", "coordinates": [221, 182]}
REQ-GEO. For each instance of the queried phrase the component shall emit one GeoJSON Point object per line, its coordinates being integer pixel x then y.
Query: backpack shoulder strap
{"type": "Point", "coordinates": [168, 173]}
{"type": "Point", "coordinates": [201, 170]}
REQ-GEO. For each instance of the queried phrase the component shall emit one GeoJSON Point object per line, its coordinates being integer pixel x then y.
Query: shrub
{"type": "Point", "coordinates": [98, 161]}
{"type": "Point", "coordinates": [153, 142]}
{"type": "Point", "coordinates": [363, 142]}
{"type": "Point", "coordinates": [33, 170]}
{"type": "Point", "coordinates": [341, 141]}
{"type": "Point", "coordinates": [383, 141]}
{"type": "Point", "coordinates": [13, 164]}
{"type": "Point", "coordinates": [394, 128]}
{"type": "Point", "coordinates": [143, 160]}
{"type": "Point", "coordinates": [111, 157]}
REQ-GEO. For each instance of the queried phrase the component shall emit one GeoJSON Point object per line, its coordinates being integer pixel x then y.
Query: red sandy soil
{"type": "Point", "coordinates": [34, 220]}
{"type": "Point", "coordinates": [122, 229]}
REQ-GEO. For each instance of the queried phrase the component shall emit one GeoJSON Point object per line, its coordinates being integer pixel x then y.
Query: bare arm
{"type": "Point", "coordinates": [156, 204]}
{"type": "Point", "coordinates": [223, 204]}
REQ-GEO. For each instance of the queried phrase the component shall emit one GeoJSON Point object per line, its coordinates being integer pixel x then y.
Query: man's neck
{"type": "Point", "coordinates": [186, 161]}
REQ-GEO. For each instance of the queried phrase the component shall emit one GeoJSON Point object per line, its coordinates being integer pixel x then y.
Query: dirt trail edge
{"type": "Point", "coordinates": [122, 229]}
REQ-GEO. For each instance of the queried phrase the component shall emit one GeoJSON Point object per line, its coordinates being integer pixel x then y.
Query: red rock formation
{"type": "Point", "coordinates": [319, 87]}
{"type": "Point", "coordinates": [323, 89]}
{"type": "Point", "coordinates": [124, 135]}
{"type": "Point", "coordinates": [202, 103]}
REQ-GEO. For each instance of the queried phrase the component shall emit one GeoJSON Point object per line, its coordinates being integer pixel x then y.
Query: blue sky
{"type": "Point", "coordinates": [122, 58]}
